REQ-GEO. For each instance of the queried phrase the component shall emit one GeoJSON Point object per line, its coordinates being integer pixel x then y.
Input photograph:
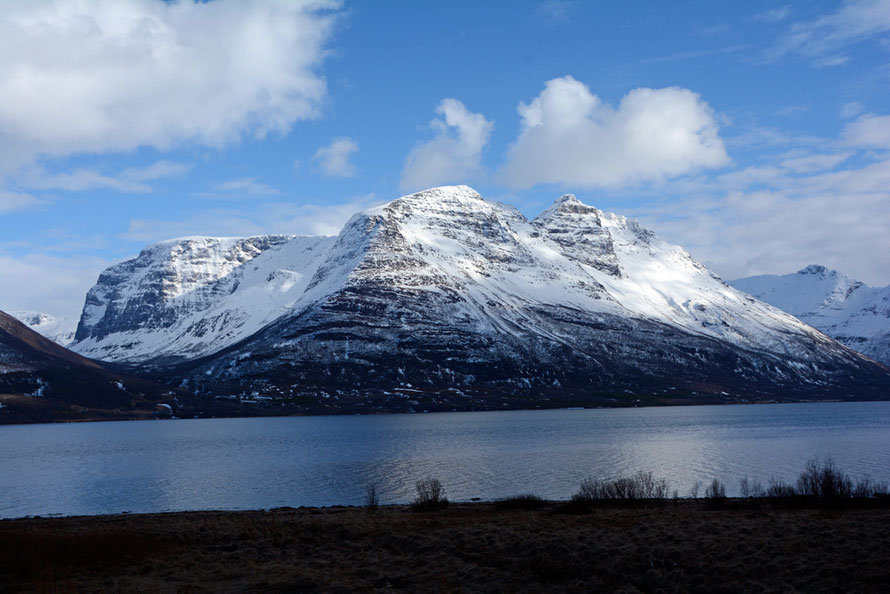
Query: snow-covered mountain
{"type": "Point", "coordinates": [444, 289]}
{"type": "Point", "coordinates": [189, 297]}
{"type": "Point", "coordinates": [849, 311]}
{"type": "Point", "coordinates": [59, 330]}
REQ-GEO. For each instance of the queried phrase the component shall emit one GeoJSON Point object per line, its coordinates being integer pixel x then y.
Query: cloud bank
{"type": "Point", "coordinates": [454, 154]}
{"type": "Point", "coordinates": [570, 137]}
{"type": "Point", "coordinates": [96, 77]}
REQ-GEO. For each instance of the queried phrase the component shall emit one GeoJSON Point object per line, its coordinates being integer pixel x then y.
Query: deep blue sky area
{"type": "Point", "coordinates": [755, 134]}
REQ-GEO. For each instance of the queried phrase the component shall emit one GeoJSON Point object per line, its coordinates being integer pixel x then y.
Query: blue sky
{"type": "Point", "coordinates": [755, 134]}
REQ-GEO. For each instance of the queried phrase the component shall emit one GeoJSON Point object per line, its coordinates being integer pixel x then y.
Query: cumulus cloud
{"type": "Point", "coordinates": [868, 131]}
{"type": "Point", "coordinates": [825, 40]}
{"type": "Point", "coordinates": [570, 137]}
{"type": "Point", "coordinates": [454, 155]}
{"type": "Point", "coordinates": [95, 77]}
{"type": "Point", "coordinates": [333, 159]}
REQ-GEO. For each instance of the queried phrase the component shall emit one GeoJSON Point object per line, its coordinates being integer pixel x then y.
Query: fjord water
{"type": "Point", "coordinates": [149, 466]}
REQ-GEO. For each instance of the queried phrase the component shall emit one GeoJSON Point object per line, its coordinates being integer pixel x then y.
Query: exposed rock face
{"type": "Point", "coordinates": [443, 289]}
{"type": "Point", "coordinates": [849, 311]}
{"type": "Point", "coordinates": [189, 297]}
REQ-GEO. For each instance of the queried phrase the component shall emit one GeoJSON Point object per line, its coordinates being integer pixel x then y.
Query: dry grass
{"type": "Point", "coordinates": [467, 547]}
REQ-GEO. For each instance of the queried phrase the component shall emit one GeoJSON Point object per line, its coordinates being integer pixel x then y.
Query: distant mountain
{"type": "Point", "coordinates": [41, 380]}
{"type": "Point", "coordinates": [849, 311]}
{"type": "Point", "coordinates": [59, 330]}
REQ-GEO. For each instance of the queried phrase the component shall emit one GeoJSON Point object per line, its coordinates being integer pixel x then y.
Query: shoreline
{"type": "Point", "coordinates": [676, 545]}
{"type": "Point", "coordinates": [115, 415]}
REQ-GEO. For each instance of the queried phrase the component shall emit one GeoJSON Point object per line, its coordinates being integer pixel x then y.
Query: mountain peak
{"type": "Point", "coordinates": [814, 269]}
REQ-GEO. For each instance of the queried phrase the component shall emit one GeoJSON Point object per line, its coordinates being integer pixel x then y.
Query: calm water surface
{"type": "Point", "coordinates": [97, 468]}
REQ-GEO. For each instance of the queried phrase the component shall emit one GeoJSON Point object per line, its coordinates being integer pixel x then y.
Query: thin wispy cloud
{"type": "Point", "coordinates": [555, 12]}
{"type": "Point", "coordinates": [247, 185]}
{"type": "Point", "coordinates": [131, 180]}
{"type": "Point", "coordinates": [270, 217]}
{"type": "Point", "coordinates": [333, 160]}
{"type": "Point", "coordinates": [774, 15]}
{"type": "Point", "coordinates": [825, 40]}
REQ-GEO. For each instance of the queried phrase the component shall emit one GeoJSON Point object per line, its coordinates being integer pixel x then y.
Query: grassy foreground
{"type": "Point", "coordinates": [676, 546]}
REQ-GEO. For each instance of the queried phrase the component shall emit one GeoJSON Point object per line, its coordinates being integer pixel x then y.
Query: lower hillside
{"type": "Point", "coordinates": [42, 381]}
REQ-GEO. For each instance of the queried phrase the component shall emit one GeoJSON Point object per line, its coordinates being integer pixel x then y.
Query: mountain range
{"type": "Point", "coordinates": [443, 299]}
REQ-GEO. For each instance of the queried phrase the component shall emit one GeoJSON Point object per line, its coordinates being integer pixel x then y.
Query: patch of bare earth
{"type": "Point", "coordinates": [467, 547]}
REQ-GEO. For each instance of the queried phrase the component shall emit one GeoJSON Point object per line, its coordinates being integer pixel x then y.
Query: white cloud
{"type": "Point", "coordinates": [570, 137]}
{"type": "Point", "coordinates": [95, 77]}
{"type": "Point", "coordinates": [247, 185]}
{"type": "Point", "coordinates": [131, 180]}
{"type": "Point", "coordinates": [454, 155]}
{"type": "Point", "coordinates": [851, 109]}
{"type": "Point", "coordinates": [868, 131]}
{"type": "Point", "coordinates": [13, 201]}
{"type": "Point", "coordinates": [333, 159]}
{"type": "Point", "coordinates": [276, 217]}
{"type": "Point", "coordinates": [825, 39]}
{"type": "Point", "coordinates": [49, 284]}
{"type": "Point", "coordinates": [775, 220]}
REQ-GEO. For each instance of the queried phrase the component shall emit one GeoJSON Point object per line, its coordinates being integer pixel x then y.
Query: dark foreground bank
{"type": "Point", "coordinates": [676, 546]}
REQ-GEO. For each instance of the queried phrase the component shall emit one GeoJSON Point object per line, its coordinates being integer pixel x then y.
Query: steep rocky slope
{"type": "Point", "coordinates": [849, 311]}
{"type": "Point", "coordinates": [189, 297]}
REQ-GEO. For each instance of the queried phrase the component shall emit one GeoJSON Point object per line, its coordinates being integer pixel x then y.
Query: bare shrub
{"type": "Point", "coordinates": [715, 494]}
{"type": "Point", "coordinates": [780, 490]}
{"type": "Point", "coordinates": [372, 500]}
{"type": "Point", "coordinates": [751, 489]}
{"type": "Point", "coordinates": [430, 495]}
{"type": "Point", "coordinates": [694, 491]}
{"type": "Point", "coordinates": [641, 487]}
{"type": "Point", "coordinates": [825, 482]}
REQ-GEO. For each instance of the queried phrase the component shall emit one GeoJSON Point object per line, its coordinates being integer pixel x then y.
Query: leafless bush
{"type": "Point", "coordinates": [825, 481]}
{"type": "Point", "coordinates": [524, 501]}
{"type": "Point", "coordinates": [640, 487]}
{"type": "Point", "coordinates": [372, 500]}
{"type": "Point", "coordinates": [430, 495]}
{"type": "Point", "coordinates": [694, 491]}
{"type": "Point", "coordinates": [751, 489]}
{"type": "Point", "coordinates": [715, 494]}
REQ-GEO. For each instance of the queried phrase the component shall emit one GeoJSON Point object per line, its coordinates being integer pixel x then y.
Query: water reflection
{"type": "Point", "coordinates": [260, 463]}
